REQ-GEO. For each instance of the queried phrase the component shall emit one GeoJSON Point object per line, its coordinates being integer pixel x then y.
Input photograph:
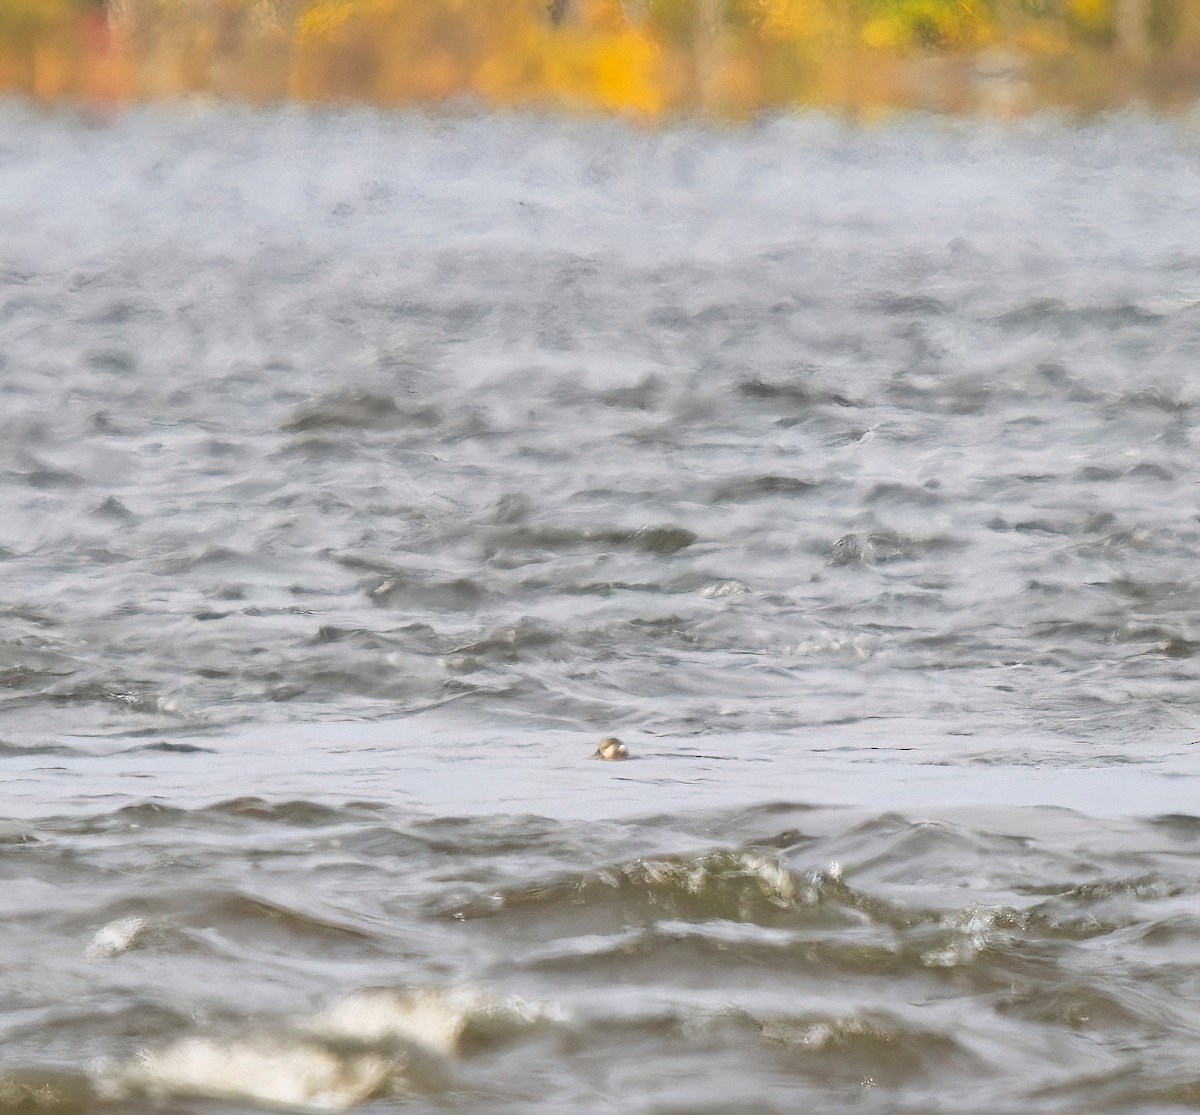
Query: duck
{"type": "Point", "coordinates": [611, 750]}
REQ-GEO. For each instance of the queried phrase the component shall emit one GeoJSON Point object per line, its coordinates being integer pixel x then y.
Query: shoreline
{"type": "Point", "coordinates": [599, 62]}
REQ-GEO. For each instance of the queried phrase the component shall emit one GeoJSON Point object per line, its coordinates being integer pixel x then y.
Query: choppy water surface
{"type": "Point", "coordinates": [358, 471]}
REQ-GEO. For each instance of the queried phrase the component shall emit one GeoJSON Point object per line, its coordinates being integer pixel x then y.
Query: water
{"type": "Point", "coordinates": [358, 471]}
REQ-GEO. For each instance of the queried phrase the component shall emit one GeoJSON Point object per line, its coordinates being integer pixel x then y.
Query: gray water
{"type": "Point", "coordinates": [359, 471]}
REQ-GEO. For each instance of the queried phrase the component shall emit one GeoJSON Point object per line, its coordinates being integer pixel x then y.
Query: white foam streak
{"type": "Point", "coordinates": [435, 1020]}
{"type": "Point", "coordinates": [121, 936]}
{"type": "Point", "coordinates": [359, 1048]}
{"type": "Point", "coordinates": [276, 1071]}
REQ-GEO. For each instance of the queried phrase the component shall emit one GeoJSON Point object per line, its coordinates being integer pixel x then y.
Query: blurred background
{"type": "Point", "coordinates": [728, 58]}
{"type": "Point", "coordinates": [361, 467]}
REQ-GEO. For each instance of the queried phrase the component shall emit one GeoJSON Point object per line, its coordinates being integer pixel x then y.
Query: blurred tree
{"type": "Point", "coordinates": [28, 30]}
{"type": "Point", "coordinates": [643, 56]}
{"type": "Point", "coordinates": [1090, 21]}
{"type": "Point", "coordinates": [1130, 26]}
{"type": "Point", "coordinates": [905, 24]}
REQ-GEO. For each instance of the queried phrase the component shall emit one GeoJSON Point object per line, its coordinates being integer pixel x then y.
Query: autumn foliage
{"type": "Point", "coordinates": [641, 57]}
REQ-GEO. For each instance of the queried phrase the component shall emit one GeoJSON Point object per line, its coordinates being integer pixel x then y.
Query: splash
{"type": "Point", "coordinates": [122, 936]}
{"type": "Point", "coordinates": [376, 1041]}
{"type": "Point", "coordinates": [261, 1069]}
